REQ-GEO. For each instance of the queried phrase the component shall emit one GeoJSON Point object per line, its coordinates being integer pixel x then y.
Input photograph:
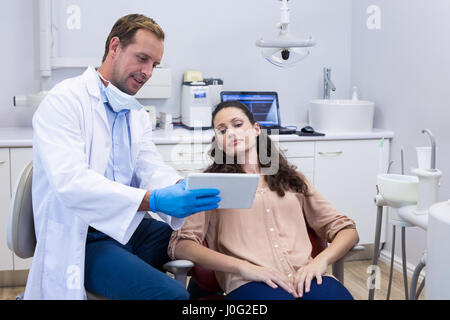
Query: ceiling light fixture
{"type": "Point", "coordinates": [285, 50]}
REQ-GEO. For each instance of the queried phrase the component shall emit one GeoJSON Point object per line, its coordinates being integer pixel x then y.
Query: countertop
{"type": "Point", "coordinates": [16, 137]}
{"type": "Point", "coordinates": [23, 137]}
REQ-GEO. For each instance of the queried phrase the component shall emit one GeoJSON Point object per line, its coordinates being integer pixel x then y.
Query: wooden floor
{"type": "Point", "coordinates": [355, 275]}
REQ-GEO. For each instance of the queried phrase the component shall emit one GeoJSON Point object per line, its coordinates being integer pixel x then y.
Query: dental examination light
{"type": "Point", "coordinates": [285, 50]}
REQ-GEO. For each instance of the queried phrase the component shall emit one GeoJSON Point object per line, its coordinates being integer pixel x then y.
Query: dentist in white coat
{"type": "Point", "coordinates": [97, 173]}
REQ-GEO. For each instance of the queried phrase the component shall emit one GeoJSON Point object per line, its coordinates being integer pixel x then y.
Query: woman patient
{"type": "Point", "coordinates": [264, 252]}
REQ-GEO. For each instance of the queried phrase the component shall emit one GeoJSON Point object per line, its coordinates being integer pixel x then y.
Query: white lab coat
{"type": "Point", "coordinates": [72, 143]}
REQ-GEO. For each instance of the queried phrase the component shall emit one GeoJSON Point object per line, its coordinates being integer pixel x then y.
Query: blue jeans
{"type": "Point", "coordinates": [330, 289]}
{"type": "Point", "coordinates": [132, 271]}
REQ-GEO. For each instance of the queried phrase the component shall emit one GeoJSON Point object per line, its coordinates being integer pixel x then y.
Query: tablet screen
{"type": "Point", "coordinates": [237, 190]}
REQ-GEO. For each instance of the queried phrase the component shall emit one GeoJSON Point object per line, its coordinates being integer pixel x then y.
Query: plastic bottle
{"type": "Point", "coordinates": [355, 93]}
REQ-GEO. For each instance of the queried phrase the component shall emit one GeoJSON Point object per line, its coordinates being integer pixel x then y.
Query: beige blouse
{"type": "Point", "coordinates": [272, 233]}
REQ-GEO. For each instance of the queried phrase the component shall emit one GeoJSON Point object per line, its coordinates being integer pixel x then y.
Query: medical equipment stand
{"type": "Point", "coordinates": [413, 293]}
{"type": "Point", "coordinates": [403, 224]}
{"type": "Point", "coordinates": [379, 202]}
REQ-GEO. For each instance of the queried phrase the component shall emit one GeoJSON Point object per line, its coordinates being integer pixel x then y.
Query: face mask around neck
{"type": "Point", "coordinates": [119, 100]}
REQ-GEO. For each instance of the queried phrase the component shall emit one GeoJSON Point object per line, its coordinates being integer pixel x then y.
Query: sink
{"type": "Point", "coordinates": [341, 115]}
{"type": "Point", "coordinates": [398, 190]}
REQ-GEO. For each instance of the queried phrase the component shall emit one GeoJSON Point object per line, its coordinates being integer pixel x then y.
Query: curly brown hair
{"type": "Point", "coordinates": [286, 178]}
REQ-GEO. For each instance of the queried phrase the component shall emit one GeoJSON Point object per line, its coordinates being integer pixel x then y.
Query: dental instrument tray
{"type": "Point", "coordinates": [237, 190]}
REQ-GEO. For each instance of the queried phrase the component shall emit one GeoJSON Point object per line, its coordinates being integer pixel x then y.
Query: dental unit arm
{"type": "Point", "coordinates": [428, 180]}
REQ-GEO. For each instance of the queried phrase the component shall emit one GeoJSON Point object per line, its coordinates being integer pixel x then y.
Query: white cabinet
{"type": "Point", "coordinates": [185, 157]}
{"type": "Point", "coordinates": [305, 166]}
{"type": "Point", "coordinates": [300, 154]}
{"type": "Point", "coordinates": [345, 174]}
{"type": "Point", "coordinates": [20, 157]}
{"type": "Point", "coordinates": [184, 152]}
{"type": "Point", "coordinates": [6, 256]}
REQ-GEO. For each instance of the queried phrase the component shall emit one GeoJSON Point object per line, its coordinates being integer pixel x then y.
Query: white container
{"type": "Point", "coordinates": [355, 94]}
{"type": "Point", "coordinates": [341, 115]}
{"type": "Point", "coordinates": [151, 111]}
{"type": "Point", "coordinates": [398, 190]}
{"type": "Point", "coordinates": [159, 86]}
{"type": "Point", "coordinates": [423, 157]}
{"type": "Point", "coordinates": [165, 117]}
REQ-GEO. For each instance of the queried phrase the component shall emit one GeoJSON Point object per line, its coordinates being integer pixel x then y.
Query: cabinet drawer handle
{"type": "Point", "coordinates": [2, 162]}
{"type": "Point", "coordinates": [284, 149]}
{"type": "Point", "coordinates": [331, 153]}
{"type": "Point", "coordinates": [190, 170]}
{"type": "Point", "coordinates": [189, 153]}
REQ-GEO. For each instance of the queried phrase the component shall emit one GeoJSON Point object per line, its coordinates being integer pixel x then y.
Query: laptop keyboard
{"type": "Point", "coordinates": [280, 130]}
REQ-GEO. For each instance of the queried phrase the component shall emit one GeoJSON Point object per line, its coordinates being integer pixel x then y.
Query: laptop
{"type": "Point", "coordinates": [264, 106]}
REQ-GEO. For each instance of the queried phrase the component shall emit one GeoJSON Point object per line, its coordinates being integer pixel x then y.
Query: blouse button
{"type": "Point", "coordinates": [276, 246]}
{"type": "Point", "coordinates": [289, 275]}
{"type": "Point", "coordinates": [271, 229]}
{"type": "Point", "coordinates": [267, 210]}
{"type": "Point", "coordinates": [281, 259]}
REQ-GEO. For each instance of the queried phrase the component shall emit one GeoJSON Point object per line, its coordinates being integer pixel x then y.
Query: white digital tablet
{"type": "Point", "coordinates": [237, 190]}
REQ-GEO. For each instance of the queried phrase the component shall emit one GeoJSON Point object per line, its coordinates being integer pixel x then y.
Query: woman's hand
{"type": "Point", "coordinates": [304, 275]}
{"type": "Point", "coordinates": [270, 276]}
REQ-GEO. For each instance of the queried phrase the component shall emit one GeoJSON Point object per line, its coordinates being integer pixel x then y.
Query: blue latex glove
{"type": "Point", "coordinates": [178, 202]}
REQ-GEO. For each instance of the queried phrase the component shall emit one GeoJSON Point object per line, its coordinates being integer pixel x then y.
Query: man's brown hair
{"type": "Point", "coordinates": [126, 27]}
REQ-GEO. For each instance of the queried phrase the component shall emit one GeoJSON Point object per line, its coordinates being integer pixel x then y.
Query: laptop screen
{"type": "Point", "coordinates": [263, 105]}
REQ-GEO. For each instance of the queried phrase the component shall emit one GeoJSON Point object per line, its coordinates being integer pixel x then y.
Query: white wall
{"type": "Point", "coordinates": [216, 37]}
{"type": "Point", "coordinates": [18, 59]}
{"type": "Point", "coordinates": [404, 67]}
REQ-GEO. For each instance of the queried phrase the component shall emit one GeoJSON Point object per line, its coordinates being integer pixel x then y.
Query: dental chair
{"type": "Point", "coordinates": [21, 236]}
{"type": "Point", "coordinates": [203, 284]}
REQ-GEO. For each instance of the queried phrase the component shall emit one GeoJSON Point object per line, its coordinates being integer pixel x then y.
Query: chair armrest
{"type": "Point", "coordinates": [353, 251]}
{"type": "Point", "coordinates": [338, 266]}
{"type": "Point", "coordinates": [179, 268]}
